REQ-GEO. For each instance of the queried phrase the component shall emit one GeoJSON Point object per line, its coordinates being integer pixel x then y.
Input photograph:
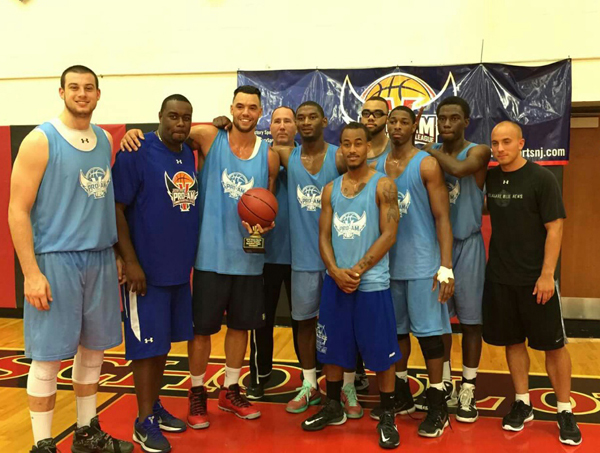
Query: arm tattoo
{"type": "Point", "coordinates": [365, 262]}
{"type": "Point", "coordinates": [390, 195]}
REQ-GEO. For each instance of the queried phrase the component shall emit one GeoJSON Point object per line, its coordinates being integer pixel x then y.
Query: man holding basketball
{"type": "Point", "coordinates": [520, 298]}
{"type": "Point", "coordinates": [357, 228]}
{"type": "Point", "coordinates": [225, 277]}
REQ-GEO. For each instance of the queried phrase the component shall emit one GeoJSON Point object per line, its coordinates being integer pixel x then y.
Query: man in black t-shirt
{"type": "Point", "coordinates": [520, 299]}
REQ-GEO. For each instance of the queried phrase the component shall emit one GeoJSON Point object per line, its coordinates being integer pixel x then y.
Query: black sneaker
{"type": "Point", "coordinates": [519, 414]}
{"type": "Point", "coordinates": [91, 439]}
{"type": "Point", "coordinates": [467, 409]}
{"type": "Point", "coordinates": [331, 414]}
{"type": "Point", "coordinates": [361, 382]}
{"type": "Point", "coordinates": [255, 391]}
{"type": "Point", "coordinates": [147, 434]}
{"type": "Point", "coordinates": [388, 432]}
{"type": "Point", "coordinates": [166, 420]}
{"type": "Point", "coordinates": [569, 431]}
{"type": "Point", "coordinates": [437, 415]}
{"type": "Point", "coordinates": [45, 446]}
{"type": "Point", "coordinates": [403, 400]}
{"type": "Point", "coordinates": [449, 395]}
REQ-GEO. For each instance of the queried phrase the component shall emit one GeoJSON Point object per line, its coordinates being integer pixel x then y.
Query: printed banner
{"type": "Point", "coordinates": [537, 98]}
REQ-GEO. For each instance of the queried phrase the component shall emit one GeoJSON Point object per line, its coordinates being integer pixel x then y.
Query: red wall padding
{"type": "Point", "coordinates": [7, 254]}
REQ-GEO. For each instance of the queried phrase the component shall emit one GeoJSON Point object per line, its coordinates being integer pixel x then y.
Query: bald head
{"type": "Point", "coordinates": [509, 127]}
{"type": "Point", "coordinates": [507, 143]}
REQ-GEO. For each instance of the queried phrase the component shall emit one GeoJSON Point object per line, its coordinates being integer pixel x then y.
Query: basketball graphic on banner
{"type": "Point", "coordinates": [401, 89]}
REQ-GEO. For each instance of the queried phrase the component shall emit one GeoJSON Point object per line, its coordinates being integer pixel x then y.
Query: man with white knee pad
{"type": "Point", "coordinates": [62, 222]}
{"type": "Point", "coordinates": [420, 266]}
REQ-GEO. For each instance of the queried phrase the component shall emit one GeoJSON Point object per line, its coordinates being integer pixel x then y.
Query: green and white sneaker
{"type": "Point", "coordinates": [307, 396]}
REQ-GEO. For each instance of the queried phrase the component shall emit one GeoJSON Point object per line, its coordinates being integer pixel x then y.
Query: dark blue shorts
{"type": "Point", "coordinates": [154, 321]}
{"type": "Point", "coordinates": [360, 321]}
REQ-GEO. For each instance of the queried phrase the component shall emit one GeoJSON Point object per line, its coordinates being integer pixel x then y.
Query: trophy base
{"type": "Point", "coordinates": [254, 244]}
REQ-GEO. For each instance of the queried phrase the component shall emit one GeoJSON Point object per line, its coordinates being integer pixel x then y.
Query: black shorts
{"type": "Point", "coordinates": [511, 314]}
{"type": "Point", "coordinates": [240, 296]}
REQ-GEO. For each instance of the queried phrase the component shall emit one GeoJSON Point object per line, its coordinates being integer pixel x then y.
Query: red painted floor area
{"type": "Point", "coordinates": [279, 431]}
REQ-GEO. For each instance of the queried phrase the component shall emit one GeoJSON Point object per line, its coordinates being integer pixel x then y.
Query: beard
{"type": "Point", "coordinates": [378, 130]}
{"type": "Point", "coordinates": [241, 128]}
{"type": "Point", "coordinates": [79, 113]}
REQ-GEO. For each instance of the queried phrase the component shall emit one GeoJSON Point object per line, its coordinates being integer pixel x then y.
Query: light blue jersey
{"type": "Point", "coordinates": [75, 206]}
{"type": "Point", "coordinates": [277, 242]}
{"type": "Point", "coordinates": [224, 178]}
{"type": "Point", "coordinates": [355, 228]}
{"type": "Point", "coordinates": [383, 155]}
{"type": "Point", "coordinates": [304, 195]}
{"type": "Point", "coordinates": [466, 200]}
{"type": "Point", "coordinates": [416, 254]}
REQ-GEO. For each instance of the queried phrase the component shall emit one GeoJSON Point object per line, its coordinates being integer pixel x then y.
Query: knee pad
{"type": "Point", "coordinates": [87, 366]}
{"type": "Point", "coordinates": [432, 347]}
{"type": "Point", "coordinates": [403, 336]}
{"type": "Point", "coordinates": [41, 381]}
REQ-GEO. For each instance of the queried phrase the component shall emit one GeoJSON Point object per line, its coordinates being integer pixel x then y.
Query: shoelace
{"type": "Point", "coordinates": [465, 396]}
{"type": "Point", "coordinates": [303, 391]}
{"type": "Point", "coordinates": [237, 399]}
{"type": "Point", "coordinates": [350, 393]}
{"type": "Point", "coordinates": [154, 431]}
{"type": "Point", "coordinates": [387, 424]}
{"type": "Point", "coordinates": [198, 403]}
{"type": "Point", "coordinates": [568, 420]}
{"type": "Point", "coordinates": [520, 408]}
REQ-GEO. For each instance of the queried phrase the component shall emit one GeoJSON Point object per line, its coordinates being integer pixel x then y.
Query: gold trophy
{"type": "Point", "coordinates": [255, 243]}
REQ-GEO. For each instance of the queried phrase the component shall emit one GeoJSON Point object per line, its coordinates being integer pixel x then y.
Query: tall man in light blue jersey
{"type": "Point", "coordinates": [357, 227]}
{"type": "Point", "coordinates": [310, 167]}
{"type": "Point", "coordinates": [465, 166]}
{"type": "Point", "coordinates": [226, 279]}
{"type": "Point", "coordinates": [422, 253]}
{"type": "Point", "coordinates": [62, 221]}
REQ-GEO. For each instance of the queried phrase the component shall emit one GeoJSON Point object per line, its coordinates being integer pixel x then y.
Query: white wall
{"type": "Point", "coordinates": [146, 50]}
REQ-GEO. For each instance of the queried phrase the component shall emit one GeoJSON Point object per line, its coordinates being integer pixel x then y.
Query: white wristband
{"type": "Point", "coordinates": [444, 274]}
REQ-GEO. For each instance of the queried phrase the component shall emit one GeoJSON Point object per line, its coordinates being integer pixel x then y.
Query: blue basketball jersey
{"type": "Point", "coordinates": [466, 200]}
{"type": "Point", "coordinates": [277, 242]}
{"type": "Point", "coordinates": [75, 206]}
{"type": "Point", "coordinates": [304, 194]}
{"type": "Point", "coordinates": [383, 155]}
{"type": "Point", "coordinates": [355, 228]}
{"type": "Point", "coordinates": [416, 253]}
{"type": "Point", "coordinates": [160, 189]}
{"type": "Point", "coordinates": [223, 180]}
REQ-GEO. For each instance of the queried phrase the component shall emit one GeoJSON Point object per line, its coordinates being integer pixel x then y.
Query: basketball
{"type": "Point", "coordinates": [258, 206]}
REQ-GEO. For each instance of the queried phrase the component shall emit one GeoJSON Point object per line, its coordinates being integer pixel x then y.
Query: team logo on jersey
{"type": "Point", "coordinates": [349, 224]}
{"type": "Point", "coordinates": [453, 191]}
{"type": "Point", "coordinates": [309, 197]}
{"type": "Point", "coordinates": [399, 88]}
{"type": "Point", "coordinates": [321, 339]}
{"type": "Point", "coordinates": [183, 190]}
{"type": "Point", "coordinates": [235, 184]}
{"type": "Point", "coordinates": [95, 181]}
{"type": "Point", "coordinates": [403, 202]}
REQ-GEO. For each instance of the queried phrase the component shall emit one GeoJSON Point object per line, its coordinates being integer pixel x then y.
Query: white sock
{"type": "Point", "coordinates": [447, 376]}
{"type": "Point", "coordinates": [561, 407]}
{"type": "Point", "coordinates": [523, 397]}
{"type": "Point", "coordinates": [469, 373]}
{"type": "Point", "coordinates": [439, 386]}
{"type": "Point", "coordinates": [198, 381]}
{"type": "Point", "coordinates": [41, 425]}
{"type": "Point", "coordinates": [232, 376]}
{"type": "Point", "coordinates": [86, 409]}
{"type": "Point", "coordinates": [311, 376]}
{"type": "Point", "coordinates": [349, 378]}
{"type": "Point", "coordinates": [402, 375]}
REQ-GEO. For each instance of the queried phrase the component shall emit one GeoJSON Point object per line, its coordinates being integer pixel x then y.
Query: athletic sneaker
{"type": "Point", "coordinates": [166, 420]}
{"type": "Point", "coordinates": [388, 431]}
{"type": "Point", "coordinates": [569, 431]}
{"type": "Point", "coordinates": [149, 436]}
{"type": "Point", "coordinates": [231, 400]}
{"type": "Point", "coordinates": [403, 400]}
{"type": "Point", "coordinates": [449, 394]}
{"type": "Point", "coordinates": [361, 382]}
{"type": "Point", "coordinates": [44, 446]}
{"type": "Point", "coordinates": [437, 415]}
{"type": "Point", "coordinates": [467, 409]}
{"type": "Point", "coordinates": [307, 396]}
{"type": "Point", "coordinates": [255, 391]}
{"type": "Point", "coordinates": [197, 414]}
{"type": "Point", "coordinates": [91, 439]}
{"type": "Point", "coordinates": [331, 414]}
{"type": "Point", "coordinates": [519, 414]}
{"type": "Point", "coordinates": [350, 402]}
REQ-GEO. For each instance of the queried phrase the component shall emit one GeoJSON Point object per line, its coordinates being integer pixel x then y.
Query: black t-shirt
{"type": "Point", "coordinates": [520, 203]}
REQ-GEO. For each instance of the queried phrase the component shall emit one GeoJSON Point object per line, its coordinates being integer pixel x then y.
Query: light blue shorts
{"type": "Point", "coordinates": [306, 294]}
{"type": "Point", "coordinates": [468, 258]}
{"type": "Point", "coordinates": [417, 308]}
{"type": "Point", "coordinates": [85, 308]}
